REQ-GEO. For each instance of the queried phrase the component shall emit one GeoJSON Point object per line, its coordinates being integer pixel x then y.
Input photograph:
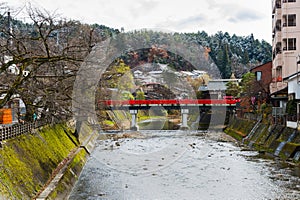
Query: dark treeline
{"type": "Point", "coordinates": [235, 54]}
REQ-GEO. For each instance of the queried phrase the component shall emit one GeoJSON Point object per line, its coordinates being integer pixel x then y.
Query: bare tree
{"type": "Point", "coordinates": [40, 60]}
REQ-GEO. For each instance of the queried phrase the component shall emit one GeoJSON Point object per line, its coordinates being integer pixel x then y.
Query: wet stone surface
{"type": "Point", "coordinates": [182, 165]}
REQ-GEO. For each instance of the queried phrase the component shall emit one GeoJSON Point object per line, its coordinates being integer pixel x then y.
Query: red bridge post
{"type": "Point", "coordinates": [184, 119]}
{"type": "Point", "coordinates": [134, 126]}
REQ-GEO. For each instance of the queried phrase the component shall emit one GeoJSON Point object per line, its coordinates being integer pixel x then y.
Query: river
{"type": "Point", "coordinates": [182, 165]}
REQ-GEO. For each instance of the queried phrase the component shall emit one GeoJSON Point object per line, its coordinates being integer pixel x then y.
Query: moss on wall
{"type": "Point", "coordinates": [65, 185]}
{"type": "Point", "coordinates": [239, 128]}
{"type": "Point", "coordinates": [266, 137]}
{"type": "Point", "coordinates": [27, 162]}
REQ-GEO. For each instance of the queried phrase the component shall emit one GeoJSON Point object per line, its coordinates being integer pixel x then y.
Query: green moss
{"type": "Point", "coordinates": [108, 123]}
{"type": "Point", "coordinates": [121, 115]}
{"type": "Point", "coordinates": [237, 135]}
{"type": "Point", "coordinates": [266, 138]}
{"type": "Point", "coordinates": [241, 127]}
{"type": "Point", "coordinates": [15, 174]}
{"type": "Point", "coordinates": [28, 160]}
{"type": "Point", "coordinates": [70, 176]}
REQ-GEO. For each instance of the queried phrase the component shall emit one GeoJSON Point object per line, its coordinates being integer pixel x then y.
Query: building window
{"type": "Point", "coordinates": [292, 44]}
{"type": "Point", "coordinates": [278, 25]}
{"type": "Point", "coordinates": [278, 48]}
{"type": "Point", "coordinates": [289, 44]}
{"type": "Point", "coordinates": [289, 20]}
{"type": "Point", "coordinates": [288, 1]}
{"type": "Point", "coordinates": [278, 4]}
{"type": "Point", "coordinates": [258, 75]}
{"type": "Point", "coordinates": [292, 20]}
{"type": "Point", "coordinates": [277, 74]}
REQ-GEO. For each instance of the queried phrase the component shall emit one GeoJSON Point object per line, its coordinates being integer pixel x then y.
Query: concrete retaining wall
{"type": "Point", "coordinates": [277, 140]}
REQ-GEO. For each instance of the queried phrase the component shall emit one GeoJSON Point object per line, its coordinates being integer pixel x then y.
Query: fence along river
{"type": "Point", "coordinates": [182, 165]}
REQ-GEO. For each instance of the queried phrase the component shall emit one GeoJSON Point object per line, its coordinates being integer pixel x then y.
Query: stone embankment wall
{"type": "Point", "coordinates": [29, 161]}
{"type": "Point", "coordinates": [276, 140]}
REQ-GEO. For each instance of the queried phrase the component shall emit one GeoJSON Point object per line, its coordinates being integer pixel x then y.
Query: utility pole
{"type": "Point", "coordinates": [9, 27]}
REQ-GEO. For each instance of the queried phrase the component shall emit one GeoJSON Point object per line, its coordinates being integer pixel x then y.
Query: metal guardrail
{"type": "Point", "coordinates": [278, 111]}
{"type": "Point", "coordinates": [19, 129]}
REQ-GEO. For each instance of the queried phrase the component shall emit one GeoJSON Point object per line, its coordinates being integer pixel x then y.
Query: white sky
{"type": "Point", "coordinates": [241, 17]}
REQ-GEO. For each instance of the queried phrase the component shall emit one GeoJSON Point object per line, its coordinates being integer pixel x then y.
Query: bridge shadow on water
{"type": "Point", "coordinates": [203, 122]}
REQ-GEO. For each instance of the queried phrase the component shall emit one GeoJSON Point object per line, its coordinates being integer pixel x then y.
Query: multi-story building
{"type": "Point", "coordinates": [286, 48]}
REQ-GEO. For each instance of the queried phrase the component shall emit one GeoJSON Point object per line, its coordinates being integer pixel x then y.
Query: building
{"type": "Point", "coordinates": [217, 87]}
{"type": "Point", "coordinates": [286, 50]}
{"type": "Point", "coordinates": [263, 75]}
{"type": "Point", "coordinates": [286, 41]}
{"type": "Point", "coordinates": [293, 91]}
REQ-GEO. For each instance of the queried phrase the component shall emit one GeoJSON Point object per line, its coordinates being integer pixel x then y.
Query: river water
{"type": "Point", "coordinates": [182, 165]}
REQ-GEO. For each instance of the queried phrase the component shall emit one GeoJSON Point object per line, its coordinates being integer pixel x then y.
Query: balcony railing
{"type": "Point", "coordinates": [278, 28]}
{"type": "Point", "coordinates": [277, 111]}
{"type": "Point", "coordinates": [288, 1]}
{"type": "Point", "coordinates": [292, 48]}
{"type": "Point", "coordinates": [277, 79]}
{"type": "Point", "coordinates": [276, 86]}
{"type": "Point", "coordinates": [278, 51]}
{"type": "Point", "coordinates": [289, 24]}
{"type": "Point", "coordinates": [292, 118]}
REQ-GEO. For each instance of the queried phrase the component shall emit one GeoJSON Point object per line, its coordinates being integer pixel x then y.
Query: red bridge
{"type": "Point", "coordinates": [167, 103]}
{"type": "Point", "coordinates": [183, 104]}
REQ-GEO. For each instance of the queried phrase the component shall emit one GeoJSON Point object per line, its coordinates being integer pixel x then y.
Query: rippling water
{"type": "Point", "coordinates": [182, 165]}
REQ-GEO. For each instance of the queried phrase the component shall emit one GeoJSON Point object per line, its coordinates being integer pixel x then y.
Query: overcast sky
{"type": "Point", "coordinates": [241, 17]}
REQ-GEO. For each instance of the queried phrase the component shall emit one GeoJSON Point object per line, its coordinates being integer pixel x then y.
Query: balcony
{"type": "Point", "coordinates": [276, 4]}
{"type": "Point", "coordinates": [277, 38]}
{"type": "Point", "coordinates": [278, 60]}
{"type": "Point", "coordinates": [278, 111]}
{"type": "Point", "coordinates": [277, 41]}
{"type": "Point", "coordinates": [292, 121]}
{"type": "Point", "coordinates": [278, 15]}
{"type": "Point", "coordinates": [288, 1]}
{"type": "Point", "coordinates": [289, 24]}
{"type": "Point", "coordinates": [277, 79]}
{"type": "Point", "coordinates": [292, 48]}
{"type": "Point", "coordinates": [278, 34]}
{"type": "Point", "coordinates": [292, 118]}
{"type": "Point", "coordinates": [288, 4]}
{"type": "Point", "coordinates": [277, 86]}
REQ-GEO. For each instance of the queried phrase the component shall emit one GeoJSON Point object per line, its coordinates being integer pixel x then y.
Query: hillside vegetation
{"type": "Point", "coordinates": [231, 53]}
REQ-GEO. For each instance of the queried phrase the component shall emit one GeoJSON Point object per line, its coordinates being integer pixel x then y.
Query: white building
{"type": "Point", "coordinates": [294, 93]}
{"type": "Point", "coordinates": [286, 49]}
{"type": "Point", "coordinates": [218, 87]}
{"type": "Point", "coordinates": [14, 69]}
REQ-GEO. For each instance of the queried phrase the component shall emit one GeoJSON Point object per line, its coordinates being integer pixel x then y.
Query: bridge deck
{"type": "Point", "coordinates": [167, 103]}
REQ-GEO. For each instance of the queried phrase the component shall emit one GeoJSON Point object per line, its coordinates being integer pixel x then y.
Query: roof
{"type": "Point", "coordinates": [216, 85]}
{"type": "Point", "coordinates": [187, 73]}
{"type": "Point", "coordinates": [282, 91]}
{"type": "Point", "coordinates": [291, 76]}
{"type": "Point", "coordinates": [226, 80]}
{"type": "Point", "coordinates": [138, 71]}
{"type": "Point", "coordinates": [155, 72]}
{"type": "Point", "coordinates": [203, 88]}
{"type": "Point", "coordinates": [260, 65]}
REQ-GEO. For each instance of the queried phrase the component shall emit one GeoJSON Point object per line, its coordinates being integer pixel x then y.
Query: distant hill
{"type": "Point", "coordinates": [230, 54]}
{"type": "Point", "coordinates": [234, 53]}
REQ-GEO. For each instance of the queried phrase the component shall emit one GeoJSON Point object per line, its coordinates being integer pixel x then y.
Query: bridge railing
{"type": "Point", "coordinates": [8, 132]}
{"type": "Point", "coordinates": [168, 101]}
